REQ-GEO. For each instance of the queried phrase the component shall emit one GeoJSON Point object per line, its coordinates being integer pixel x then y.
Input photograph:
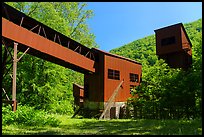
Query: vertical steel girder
{"type": "Point", "coordinates": [15, 60]}
{"type": "Point", "coordinates": [14, 102]}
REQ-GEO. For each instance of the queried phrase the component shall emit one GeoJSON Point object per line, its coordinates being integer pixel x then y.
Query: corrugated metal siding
{"type": "Point", "coordinates": [165, 33]}
{"type": "Point", "coordinates": [125, 68]}
{"type": "Point", "coordinates": [185, 42]}
{"type": "Point", "coordinates": [178, 55]}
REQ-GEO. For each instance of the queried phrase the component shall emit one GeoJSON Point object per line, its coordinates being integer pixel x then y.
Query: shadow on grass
{"type": "Point", "coordinates": [29, 130]}
{"type": "Point", "coordinates": [48, 133]}
{"type": "Point", "coordinates": [119, 127]}
{"type": "Point", "coordinates": [115, 127]}
{"type": "Point", "coordinates": [138, 127]}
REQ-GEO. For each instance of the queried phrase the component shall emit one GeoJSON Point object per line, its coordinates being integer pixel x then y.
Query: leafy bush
{"type": "Point", "coordinates": [62, 107]}
{"type": "Point", "coordinates": [26, 115]}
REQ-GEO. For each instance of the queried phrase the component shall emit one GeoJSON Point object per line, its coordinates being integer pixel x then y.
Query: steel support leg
{"type": "Point", "coordinates": [14, 102]}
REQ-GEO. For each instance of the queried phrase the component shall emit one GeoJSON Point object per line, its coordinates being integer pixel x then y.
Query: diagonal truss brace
{"type": "Point", "coordinates": [107, 107]}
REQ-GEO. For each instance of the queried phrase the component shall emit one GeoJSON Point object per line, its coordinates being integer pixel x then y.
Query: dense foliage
{"type": "Point", "coordinates": [40, 83]}
{"type": "Point", "coordinates": [27, 116]}
{"type": "Point", "coordinates": [167, 92]}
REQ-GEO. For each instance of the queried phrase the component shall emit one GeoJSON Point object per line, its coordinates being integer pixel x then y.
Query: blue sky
{"type": "Point", "coordinates": [118, 23]}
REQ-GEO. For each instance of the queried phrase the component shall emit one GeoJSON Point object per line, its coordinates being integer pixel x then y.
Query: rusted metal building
{"type": "Point", "coordinates": [113, 74]}
{"type": "Point", "coordinates": [111, 71]}
{"type": "Point", "coordinates": [78, 94]}
{"type": "Point", "coordinates": [107, 77]}
{"type": "Point", "coordinates": [174, 46]}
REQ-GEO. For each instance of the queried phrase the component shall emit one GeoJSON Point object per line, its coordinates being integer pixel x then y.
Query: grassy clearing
{"type": "Point", "coordinates": [83, 126]}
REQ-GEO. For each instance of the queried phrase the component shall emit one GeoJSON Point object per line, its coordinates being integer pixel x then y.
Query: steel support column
{"type": "Point", "coordinates": [14, 102]}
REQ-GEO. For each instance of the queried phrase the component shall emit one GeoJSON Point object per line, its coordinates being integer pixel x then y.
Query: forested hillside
{"type": "Point", "coordinates": [165, 87]}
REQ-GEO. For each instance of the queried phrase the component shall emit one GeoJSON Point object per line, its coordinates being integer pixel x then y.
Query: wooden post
{"type": "Point", "coordinates": [111, 100]}
{"type": "Point", "coordinates": [14, 104]}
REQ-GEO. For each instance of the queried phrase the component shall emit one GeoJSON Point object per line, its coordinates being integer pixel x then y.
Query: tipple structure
{"type": "Point", "coordinates": [174, 46]}
{"type": "Point", "coordinates": [108, 78]}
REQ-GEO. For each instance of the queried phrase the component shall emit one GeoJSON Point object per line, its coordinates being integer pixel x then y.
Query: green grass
{"type": "Point", "coordinates": [79, 126]}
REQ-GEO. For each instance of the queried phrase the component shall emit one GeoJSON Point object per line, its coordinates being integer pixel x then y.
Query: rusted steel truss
{"type": "Point", "coordinates": [40, 41]}
{"type": "Point", "coordinates": [46, 49]}
{"type": "Point", "coordinates": [31, 24]}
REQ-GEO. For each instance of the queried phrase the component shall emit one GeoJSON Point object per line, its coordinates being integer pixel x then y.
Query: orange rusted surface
{"type": "Point", "coordinates": [181, 39]}
{"type": "Point", "coordinates": [165, 33]}
{"type": "Point", "coordinates": [177, 51]}
{"type": "Point", "coordinates": [78, 93]}
{"type": "Point", "coordinates": [186, 43]}
{"type": "Point", "coordinates": [46, 47]}
{"type": "Point", "coordinates": [100, 87]}
{"type": "Point", "coordinates": [125, 68]}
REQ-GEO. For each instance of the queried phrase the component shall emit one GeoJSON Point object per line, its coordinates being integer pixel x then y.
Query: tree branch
{"type": "Point", "coordinates": [79, 21]}
{"type": "Point", "coordinates": [77, 26]}
{"type": "Point", "coordinates": [33, 9]}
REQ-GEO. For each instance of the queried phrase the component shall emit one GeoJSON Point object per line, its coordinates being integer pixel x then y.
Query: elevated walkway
{"type": "Point", "coordinates": [44, 42]}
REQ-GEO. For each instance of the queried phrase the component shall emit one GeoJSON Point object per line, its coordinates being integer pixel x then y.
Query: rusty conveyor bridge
{"type": "Point", "coordinates": [25, 34]}
{"type": "Point", "coordinates": [44, 42]}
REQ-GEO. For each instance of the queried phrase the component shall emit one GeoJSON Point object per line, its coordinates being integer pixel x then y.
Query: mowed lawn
{"type": "Point", "coordinates": [77, 126]}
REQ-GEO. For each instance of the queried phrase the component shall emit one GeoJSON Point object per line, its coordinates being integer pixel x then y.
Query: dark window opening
{"type": "Point", "coordinates": [113, 74]}
{"type": "Point", "coordinates": [112, 112]}
{"type": "Point", "coordinates": [168, 41]}
{"type": "Point", "coordinates": [133, 77]}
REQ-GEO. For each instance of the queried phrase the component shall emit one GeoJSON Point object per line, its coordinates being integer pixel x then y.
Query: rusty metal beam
{"type": "Point", "coordinates": [46, 49]}
{"type": "Point", "coordinates": [6, 72]}
{"type": "Point", "coordinates": [7, 50]}
{"type": "Point", "coordinates": [21, 21]}
{"type": "Point", "coordinates": [14, 77]}
{"type": "Point", "coordinates": [54, 38]}
{"type": "Point", "coordinates": [44, 32]}
{"type": "Point", "coordinates": [6, 94]}
{"type": "Point", "coordinates": [68, 44]}
{"type": "Point", "coordinates": [76, 48]}
{"type": "Point", "coordinates": [39, 30]}
{"type": "Point", "coordinates": [59, 40]}
{"type": "Point", "coordinates": [93, 56]}
{"type": "Point", "coordinates": [87, 53]}
{"type": "Point", "coordinates": [34, 27]}
{"type": "Point", "coordinates": [23, 54]}
{"type": "Point", "coordinates": [80, 50]}
{"type": "Point", "coordinates": [30, 24]}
